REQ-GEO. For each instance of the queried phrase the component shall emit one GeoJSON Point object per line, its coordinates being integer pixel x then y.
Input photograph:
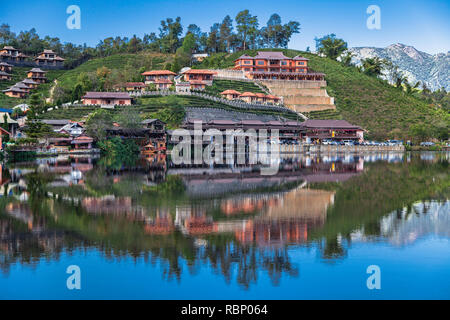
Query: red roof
{"type": "Point", "coordinates": [272, 97]}
{"type": "Point", "coordinates": [158, 72]}
{"type": "Point", "coordinates": [199, 71]}
{"type": "Point", "coordinates": [4, 131]}
{"type": "Point", "coordinates": [229, 91]}
{"type": "Point", "coordinates": [248, 94]}
{"type": "Point", "coordinates": [260, 95]}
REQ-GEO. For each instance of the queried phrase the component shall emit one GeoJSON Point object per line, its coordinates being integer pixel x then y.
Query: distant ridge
{"type": "Point", "coordinates": [434, 70]}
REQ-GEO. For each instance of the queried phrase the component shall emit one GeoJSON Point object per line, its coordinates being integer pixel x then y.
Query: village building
{"type": "Point", "coordinates": [5, 67]}
{"type": "Point", "coordinates": [15, 92]}
{"type": "Point", "coordinates": [199, 57]}
{"type": "Point", "coordinates": [72, 129]}
{"type": "Point", "coordinates": [248, 97]}
{"type": "Point", "coordinates": [37, 75]}
{"type": "Point", "coordinates": [162, 79]}
{"type": "Point", "coordinates": [56, 124]}
{"type": "Point", "coordinates": [5, 76]}
{"type": "Point", "coordinates": [156, 136]}
{"type": "Point", "coordinates": [182, 87]}
{"type": "Point", "coordinates": [267, 65]}
{"type": "Point", "coordinates": [230, 94]}
{"type": "Point", "coordinates": [12, 125]}
{"type": "Point", "coordinates": [3, 134]}
{"type": "Point", "coordinates": [30, 83]}
{"type": "Point", "coordinates": [23, 86]}
{"type": "Point", "coordinates": [82, 142]}
{"type": "Point", "coordinates": [11, 54]}
{"type": "Point", "coordinates": [48, 58]}
{"type": "Point", "coordinates": [106, 98]}
{"type": "Point", "coordinates": [198, 78]}
{"type": "Point", "coordinates": [131, 86]}
{"type": "Point", "coordinates": [319, 130]}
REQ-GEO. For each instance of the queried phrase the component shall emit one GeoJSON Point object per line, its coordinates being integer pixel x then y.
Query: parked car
{"type": "Point", "coordinates": [327, 142]}
{"type": "Point", "coordinates": [427, 144]}
{"type": "Point", "coordinates": [348, 143]}
{"type": "Point", "coordinates": [394, 142]}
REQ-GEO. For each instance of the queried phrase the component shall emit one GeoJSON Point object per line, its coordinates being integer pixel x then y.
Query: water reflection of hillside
{"type": "Point", "coordinates": [223, 216]}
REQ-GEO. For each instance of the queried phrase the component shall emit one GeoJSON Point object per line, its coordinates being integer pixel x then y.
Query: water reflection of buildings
{"type": "Point", "coordinates": [279, 219]}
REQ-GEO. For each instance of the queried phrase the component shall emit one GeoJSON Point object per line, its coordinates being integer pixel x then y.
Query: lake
{"type": "Point", "coordinates": [150, 229]}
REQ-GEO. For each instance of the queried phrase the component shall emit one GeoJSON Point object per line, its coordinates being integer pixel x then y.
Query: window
{"type": "Point", "coordinates": [283, 70]}
{"type": "Point", "coordinates": [121, 102]}
{"type": "Point", "coordinates": [94, 101]}
{"type": "Point", "coordinates": [261, 63]}
{"type": "Point", "coordinates": [300, 63]}
{"type": "Point", "coordinates": [247, 69]}
{"type": "Point", "coordinates": [283, 63]}
{"type": "Point", "coordinates": [247, 62]}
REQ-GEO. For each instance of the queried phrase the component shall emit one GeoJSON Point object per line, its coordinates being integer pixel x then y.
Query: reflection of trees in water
{"type": "Point", "coordinates": [249, 261]}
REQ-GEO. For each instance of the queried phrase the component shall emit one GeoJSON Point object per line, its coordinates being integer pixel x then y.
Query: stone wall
{"type": "Point", "coordinates": [302, 96]}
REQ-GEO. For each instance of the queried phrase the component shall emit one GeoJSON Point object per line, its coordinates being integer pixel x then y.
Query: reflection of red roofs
{"type": "Point", "coordinates": [199, 225]}
{"type": "Point", "coordinates": [160, 226]}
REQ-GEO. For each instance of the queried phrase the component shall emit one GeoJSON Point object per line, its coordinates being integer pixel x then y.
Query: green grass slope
{"type": "Point", "coordinates": [148, 61]}
{"type": "Point", "coordinates": [385, 111]}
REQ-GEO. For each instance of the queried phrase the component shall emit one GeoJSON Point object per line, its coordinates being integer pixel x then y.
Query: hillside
{"type": "Point", "coordinates": [372, 103]}
{"type": "Point", "coordinates": [19, 74]}
{"type": "Point", "coordinates": [133, 63]}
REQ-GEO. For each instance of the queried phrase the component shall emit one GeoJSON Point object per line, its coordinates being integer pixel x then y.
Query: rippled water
{"type": "Point", "coordinates": [154, 230]}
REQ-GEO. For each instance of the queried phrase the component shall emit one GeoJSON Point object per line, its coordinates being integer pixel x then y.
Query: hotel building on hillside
{"type": "Point", "coordinates": [162, 79]}
{"type": "Point", "coordinates": [5, 76]}
{"type": "Point", "coordinates": [48, 58]}
{"type": "Point", "coordinates": [199, 78]}
{"type": "Point", "coordinates": [37, 75]}
{"type": "Point", "coordinates": [30, 83]}
{"type": "Point", "coordinates": [267, 65]}
{"type": "Point", "coordinates": [106, 98]}
{"type": "Point", "coordinates": [15, 92]}
{"type": "Point", "coordinates": [12, 54]}
{"type": "Point", "coordinates": [5, 67]}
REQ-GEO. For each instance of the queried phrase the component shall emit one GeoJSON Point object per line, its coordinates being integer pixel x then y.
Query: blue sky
{"type": "Point", "coordinates": [423, 24]}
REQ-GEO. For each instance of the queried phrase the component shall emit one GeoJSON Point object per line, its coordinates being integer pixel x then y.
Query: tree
{"type": "Point", "coordinates": [97, 124]}
{"type": "Point", "coordinates": [331, 46]}
{"type": "Point", "coordinates": [373, 66]}
{"type": "Point", "coordinates": [213, 38]}
{"type": "Point", "coordinates": [226, 33]}
{"type": "Point", "coordinates": [129, 118]}
{"type": "Point", "coordinates": [169, 33]}
{"type": "Point", "coordinates": [77, 92]}
{"type": "Point", "coordinates": [346, 59]}
{"type": "Point", "coordinates": [247, 26]}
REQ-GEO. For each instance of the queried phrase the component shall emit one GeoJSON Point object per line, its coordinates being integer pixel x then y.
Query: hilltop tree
{"type": "Point", "coordinates": [226, 34]}
{"type": "Point", "coordinates": [276, 35]}
{"type": "Point", "coordinates": [331, 46]}
{"type": "Point", "coordinates": [169, 33]}
{"type": "Point", "coordinates": [247, 27]}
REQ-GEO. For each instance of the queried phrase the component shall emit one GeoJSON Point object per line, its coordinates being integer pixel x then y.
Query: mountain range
{"type": "Point", "coordinates": [433, 69]}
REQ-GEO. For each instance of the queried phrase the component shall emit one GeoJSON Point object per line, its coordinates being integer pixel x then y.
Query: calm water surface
{"type": "Point", "coordinates": [153, 230]}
